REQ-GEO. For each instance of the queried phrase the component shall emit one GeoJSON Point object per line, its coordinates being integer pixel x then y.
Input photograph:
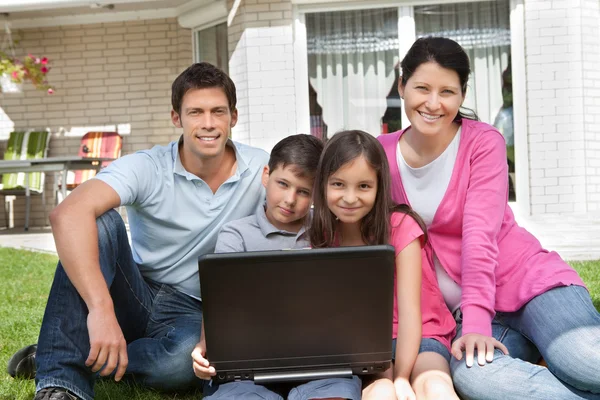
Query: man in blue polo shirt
{"type": "Point", "coordinates": [136, 311]}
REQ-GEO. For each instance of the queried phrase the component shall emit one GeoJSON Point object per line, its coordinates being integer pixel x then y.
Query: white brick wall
{"type": "Point", "coordinates": [563, 87]}
{"type": "Point", "coordinates": [262, 67]}
{"type": "Point", "coordinates": [104, 75]}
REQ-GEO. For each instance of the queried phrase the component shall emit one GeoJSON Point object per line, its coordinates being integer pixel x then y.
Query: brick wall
{"type": "Point", "coordinates": [116, 74]}
{"type": "Point", "coordinates": [563, 108]}
{"type": "Point", "coordinates": [262, 66]}
{"type": "Point", "coordinates": [591, 100]}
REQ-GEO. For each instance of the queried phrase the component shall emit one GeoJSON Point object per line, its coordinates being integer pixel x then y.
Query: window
{"type": "Point", "coordinates": [351, 61]}
{"type": "Point", "coordinates": [211, 46]}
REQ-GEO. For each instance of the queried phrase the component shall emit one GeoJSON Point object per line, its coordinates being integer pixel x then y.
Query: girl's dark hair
{"type": "Point", "coordinates": [341, 149]}
{"type": "Point", "coordinates": [447, 54]}
{"type": "Point", "coordinates": [201, 76]}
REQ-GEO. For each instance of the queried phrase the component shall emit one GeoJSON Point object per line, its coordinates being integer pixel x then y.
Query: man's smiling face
{"type": "Point", "coordinates": [206, 121]}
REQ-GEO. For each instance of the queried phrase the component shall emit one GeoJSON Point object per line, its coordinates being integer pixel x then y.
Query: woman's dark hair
{"type": "Point", "coordinates": [447, 54]}
{"type": "Point", "coordinates": [341, 149]}
{"type": "Point", "coordinates": [200, 76]}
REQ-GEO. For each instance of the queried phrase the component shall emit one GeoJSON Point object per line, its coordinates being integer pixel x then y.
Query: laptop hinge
{"type": "Point", "coordinates": [267, 377]}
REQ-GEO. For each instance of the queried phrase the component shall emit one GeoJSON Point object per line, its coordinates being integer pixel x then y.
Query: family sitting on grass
{"type": "Point", "coordinates": [478, 301]}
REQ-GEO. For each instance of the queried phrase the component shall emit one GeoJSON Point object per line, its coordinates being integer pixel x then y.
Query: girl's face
{"type": "Point", "coordinates": [432, 98]}
{"type": "Point", "coordinates": [351, 191]}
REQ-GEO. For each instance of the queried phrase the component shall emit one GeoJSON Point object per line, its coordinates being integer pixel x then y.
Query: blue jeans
{"type": "Point", "coordinates": [564, 325]}
{"type": "Point", "coordinates": [161, 325]}
{"type": "Point", "coordinates": [345, 388]}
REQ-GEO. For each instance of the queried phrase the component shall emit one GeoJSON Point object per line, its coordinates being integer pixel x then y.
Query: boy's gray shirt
{"type": "Point", "coordinates": [256, 233]}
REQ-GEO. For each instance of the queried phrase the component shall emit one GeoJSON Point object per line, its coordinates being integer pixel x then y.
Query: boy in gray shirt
{"type": "Point", "coordinates": [278, 224]}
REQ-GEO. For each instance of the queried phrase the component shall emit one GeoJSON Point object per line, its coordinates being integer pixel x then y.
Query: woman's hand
{"type": "Point", "coordinates": [485, 346]}
{"type": "Point", "coordinates": [403, 389]}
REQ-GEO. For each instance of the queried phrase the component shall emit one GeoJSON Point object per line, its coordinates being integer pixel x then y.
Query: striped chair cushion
{"type": "Point", "coordinates": [25, 146]}
{"type": "Point", "coordinates": [97, 144]}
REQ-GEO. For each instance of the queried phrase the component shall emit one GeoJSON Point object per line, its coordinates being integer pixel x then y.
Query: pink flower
{"type": "Point", "coordinates": [15, 75]}
{"type": "Point", "coordinates": [44, 70]}
{"type": "Point", "coordinates": [37, 60]}
{"type": "Point", "coordinates": [50, 91]}
{"type": "Point", "coordinates": [44, 61]}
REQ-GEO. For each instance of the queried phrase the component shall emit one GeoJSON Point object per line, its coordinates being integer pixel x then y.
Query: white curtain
{"type": "Point", "coordinates": [351, 59]}
{"type": "Point", "coordinates": [483, 30]}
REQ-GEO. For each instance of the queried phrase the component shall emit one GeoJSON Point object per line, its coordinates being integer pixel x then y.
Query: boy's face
{"type": "Point", "coordinates": [288, 197]}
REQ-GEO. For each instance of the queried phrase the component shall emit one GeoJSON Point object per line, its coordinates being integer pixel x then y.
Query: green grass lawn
{"type": "Point", "coordinates": [26, 278]}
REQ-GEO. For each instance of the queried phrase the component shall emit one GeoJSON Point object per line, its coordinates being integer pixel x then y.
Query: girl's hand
{"type": "Point", "coordinates": [485, 346]}
{"type": "Point", "coordinates": [403, 389]}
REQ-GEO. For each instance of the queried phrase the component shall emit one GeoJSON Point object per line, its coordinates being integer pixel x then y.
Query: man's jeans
{"type": "Point", "coordinates": [564, 325]}
{"type": "Point", "coordinates": [161, 325]}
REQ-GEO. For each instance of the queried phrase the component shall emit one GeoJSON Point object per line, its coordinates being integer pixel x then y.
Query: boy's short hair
{"type": "Point", "coordinates": [300, 151]}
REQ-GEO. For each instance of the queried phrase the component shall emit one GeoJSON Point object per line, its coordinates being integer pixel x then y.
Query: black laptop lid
{"type": "Point", "coordinates": [298, 308]}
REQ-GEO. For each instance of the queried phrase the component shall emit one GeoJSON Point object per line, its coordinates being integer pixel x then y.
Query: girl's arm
{"type": "Point", "coordinates": [408, 288]}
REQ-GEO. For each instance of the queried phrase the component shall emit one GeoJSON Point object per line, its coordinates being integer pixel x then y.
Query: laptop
{"type": "Point", "coordinates": [298, 315]}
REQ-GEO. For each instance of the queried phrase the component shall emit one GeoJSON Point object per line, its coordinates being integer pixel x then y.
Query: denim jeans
{"type": "Point", "coordinates": [161, 325]}
{"type": "Point", "coordinates": [564, 325]}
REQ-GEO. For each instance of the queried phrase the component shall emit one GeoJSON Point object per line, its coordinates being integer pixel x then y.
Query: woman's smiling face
{"type": "Point", "coordinates": [432, 98]}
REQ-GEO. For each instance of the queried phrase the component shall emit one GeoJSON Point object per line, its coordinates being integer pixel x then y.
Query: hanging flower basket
{"type": "Point", "coordinates": [8, 86]}
{"type": "Point", "coordinates": [13, 72]}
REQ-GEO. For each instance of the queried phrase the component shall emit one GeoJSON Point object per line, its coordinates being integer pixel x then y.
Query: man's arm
{"type": "Point", "coordinates": [76, 235]}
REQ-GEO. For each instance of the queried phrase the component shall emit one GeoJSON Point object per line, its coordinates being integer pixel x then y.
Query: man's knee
{"type": "Point", "coordinates": [174, 370]}
{"type": "Point", "coordinates": [110, 226]}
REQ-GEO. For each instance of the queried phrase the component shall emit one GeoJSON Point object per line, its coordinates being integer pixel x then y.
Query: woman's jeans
{"type": "Point", "coordinates": [161, 325]}
{"type": "Point", "coordinates": [564, 325]}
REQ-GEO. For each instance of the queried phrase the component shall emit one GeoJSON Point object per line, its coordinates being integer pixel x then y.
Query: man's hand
{"type": "Point", "coordinates": [484, 344]}
{"type": "Point", "coordinates": [202, 368]}
{"type": "Point", "coordinates": [404, 390]}
{"type": "Point", "coordinates": [108, 349]}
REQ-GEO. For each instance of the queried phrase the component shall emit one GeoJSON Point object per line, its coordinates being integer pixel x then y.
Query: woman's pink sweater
{"type": "Point", "coordinates": [499, 265]}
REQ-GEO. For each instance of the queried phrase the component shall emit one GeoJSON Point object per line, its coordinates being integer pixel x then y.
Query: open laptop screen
{"type": "Point", "coordinates": [298, 308]}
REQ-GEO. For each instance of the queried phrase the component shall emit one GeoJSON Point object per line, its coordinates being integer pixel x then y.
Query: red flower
{"type": "Point", "coordinates": [44, 61]}
{"type": "Point", "coordinates": [44, 70]}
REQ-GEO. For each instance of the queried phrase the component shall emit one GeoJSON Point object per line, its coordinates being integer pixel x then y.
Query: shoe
{"type": "Point", "coordinates": [54, 393]}
{"type": "Point", "coordinates": [22, 363]}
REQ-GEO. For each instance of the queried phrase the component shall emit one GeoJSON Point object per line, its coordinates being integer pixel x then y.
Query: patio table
{"type": "Point", "coordinates": [57, 165]}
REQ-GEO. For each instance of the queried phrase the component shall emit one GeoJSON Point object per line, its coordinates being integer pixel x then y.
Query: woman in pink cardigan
{"type": "Point", "coordinates": [512, 300]}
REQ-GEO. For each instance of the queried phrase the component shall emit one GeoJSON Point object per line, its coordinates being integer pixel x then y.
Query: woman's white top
{"type": "Point", "coordinates": [425, 188]}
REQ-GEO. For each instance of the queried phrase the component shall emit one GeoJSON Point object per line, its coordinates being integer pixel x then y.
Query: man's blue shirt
{"type": "Point", "coordinates": [174, 217]}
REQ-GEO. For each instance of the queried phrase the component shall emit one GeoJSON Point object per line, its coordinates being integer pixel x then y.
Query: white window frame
{"type": "Point", "coordinates": [406, 36]}
{"type": "Point", "coordinates": [196, 56]}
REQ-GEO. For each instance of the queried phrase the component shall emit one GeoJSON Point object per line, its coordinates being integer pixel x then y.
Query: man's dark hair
{"type": "Point", "coordinates": [301, 152]}
{"type": "Point", "coordinates": [200, 76]}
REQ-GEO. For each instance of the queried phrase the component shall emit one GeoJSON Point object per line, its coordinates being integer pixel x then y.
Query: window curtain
{"type": "Point", "coordinates": [351, 59]}
{"type": "Point", "coordinates": [483, 30]}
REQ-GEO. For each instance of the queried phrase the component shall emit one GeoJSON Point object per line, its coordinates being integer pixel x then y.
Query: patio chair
{"type": "Point", "coordinates": [95, 144]}
{"type": "Point", "coordinates": [24, 146]}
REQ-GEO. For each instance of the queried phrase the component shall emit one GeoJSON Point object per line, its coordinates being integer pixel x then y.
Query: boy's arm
{"type": "Point", "coordinates": [230, 240]}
